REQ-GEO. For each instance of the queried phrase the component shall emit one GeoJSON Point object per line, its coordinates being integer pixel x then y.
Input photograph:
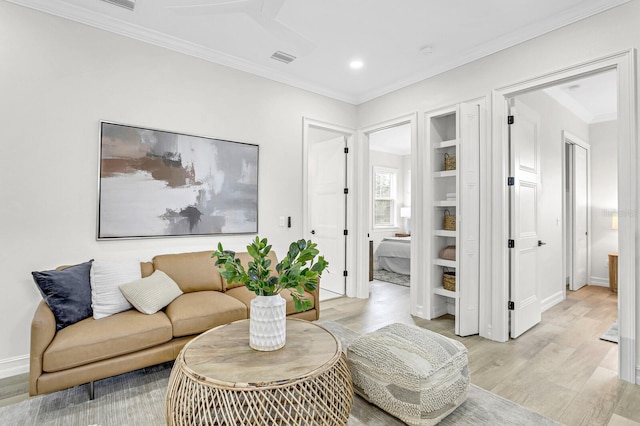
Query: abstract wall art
{"type": "Point", "coordinates": [156, 183]}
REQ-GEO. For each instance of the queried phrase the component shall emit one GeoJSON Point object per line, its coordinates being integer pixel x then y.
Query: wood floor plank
{"type": "Point", "coordinates": [560, 368]}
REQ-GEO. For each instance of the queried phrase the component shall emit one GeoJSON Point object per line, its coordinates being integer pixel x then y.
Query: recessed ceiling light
{"type": "Point", "coordinates": [426, 50]}
{"type": "Point", "coordinates": [356, 65]}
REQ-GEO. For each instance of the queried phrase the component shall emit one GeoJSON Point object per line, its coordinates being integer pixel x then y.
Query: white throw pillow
{"type": "Point", "coordinates": [106, 277]}
{"type": "Point", "coordinates": [150, 294]}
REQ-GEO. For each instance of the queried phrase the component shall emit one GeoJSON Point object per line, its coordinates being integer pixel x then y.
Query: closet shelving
{"type": "Point", "coordinates": [443, 134]}
{"type": "Point", "coordinates": [455, 132]}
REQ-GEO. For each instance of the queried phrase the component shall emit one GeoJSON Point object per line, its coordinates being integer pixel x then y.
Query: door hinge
{"type": "Point", "coordinates": [511, 244]}
{"type": "Point", "coordinates": [511, 181]}
{"type": "Point", "coordinates": [346, 232]}
{"type": "Point", "coordinates": [511, 305]}
{"type": "Point", "coordinates": [346, 191]}
{"type": "Point", "coordinates": [346, 150]}
{"type": "Point", "coordinates": [345, 273]}
{"type": "Point", "coordinates": [511, 119]}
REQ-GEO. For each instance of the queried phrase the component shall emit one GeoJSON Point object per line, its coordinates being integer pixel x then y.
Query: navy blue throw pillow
{"type": "Point", "coordinates": [67, 292]}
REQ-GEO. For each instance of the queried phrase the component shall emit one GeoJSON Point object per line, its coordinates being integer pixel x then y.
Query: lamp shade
{"type": "Point", "coordinates": [405, 211]}
{"type": "Point", "coordinates": [614, 221]}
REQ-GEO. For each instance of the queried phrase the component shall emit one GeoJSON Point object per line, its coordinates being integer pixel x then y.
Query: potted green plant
{"type": "Point", "coordinates": [300, 269]}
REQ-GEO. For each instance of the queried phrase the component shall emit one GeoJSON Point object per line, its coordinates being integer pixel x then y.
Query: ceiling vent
{"type": "Point", "coordinates": [127, 4]}
{"type": "Point", "coordinates": [283, 57]}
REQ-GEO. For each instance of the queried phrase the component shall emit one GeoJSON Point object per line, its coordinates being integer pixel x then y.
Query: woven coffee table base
{"type": "Point", "coordinates": [322, 399]}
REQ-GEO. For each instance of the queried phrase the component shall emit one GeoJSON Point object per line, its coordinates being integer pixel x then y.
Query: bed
{"type": "Point", "coordinates": [394, 254]}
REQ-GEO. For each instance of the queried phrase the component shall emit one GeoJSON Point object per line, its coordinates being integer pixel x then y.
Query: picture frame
{"type": "Point", "coordinates": [157, 183]}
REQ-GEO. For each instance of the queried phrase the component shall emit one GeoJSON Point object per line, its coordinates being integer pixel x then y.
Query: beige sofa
{"type": "Point", "coordinates": [92, 349]}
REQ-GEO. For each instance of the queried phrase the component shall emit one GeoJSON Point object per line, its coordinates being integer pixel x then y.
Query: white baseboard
{"type": "Point", "coordinates": [602, 282]}
{"type": "Point", "coordinates": [552, 300]}
{"type": "Point", "coordinates": [14, 366]}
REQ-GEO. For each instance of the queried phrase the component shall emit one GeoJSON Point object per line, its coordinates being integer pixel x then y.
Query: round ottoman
{"type": "Point", "coordinates": [413, 374]}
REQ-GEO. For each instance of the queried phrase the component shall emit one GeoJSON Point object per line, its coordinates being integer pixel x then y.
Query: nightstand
{"type": "Point", "coordinates": [613, 272]}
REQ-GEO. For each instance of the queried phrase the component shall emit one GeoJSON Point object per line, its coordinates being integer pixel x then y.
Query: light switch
{"type": "Point", "coordinates": [282, 221]}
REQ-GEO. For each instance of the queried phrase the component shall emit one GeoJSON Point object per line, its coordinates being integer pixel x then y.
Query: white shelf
{"type": "Point", "coordinates": [446, 203]}
{"type": "Point", "coordinates": [445, 174]}
{"type": "Point", "coordinates": [444, 233]}
{"type": "Point", "coordinates": [447, 263]}
{"type": "Point", "coordinates": [445, 144]}
{"type": "Point", "coordinates": [446, 293]}
{"type": "Point", "coordinates": [454, 131]}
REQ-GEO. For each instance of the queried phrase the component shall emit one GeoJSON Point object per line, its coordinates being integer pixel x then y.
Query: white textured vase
{"type": "Point", "coordinates": [268, 323]}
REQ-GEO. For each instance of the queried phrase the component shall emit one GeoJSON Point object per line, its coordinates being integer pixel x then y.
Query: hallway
{"type": "Point", "coordinates": [560, 368]}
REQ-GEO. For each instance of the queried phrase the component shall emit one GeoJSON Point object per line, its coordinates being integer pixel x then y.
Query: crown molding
{"type": "Point", "coordinates": [114, 25]}
{"type": "Point", "coordinates": [136, 32]}
{"type": "Point", "coordinates": [604, 118]}
{"type": "Point", "coordinates": [501, 43]}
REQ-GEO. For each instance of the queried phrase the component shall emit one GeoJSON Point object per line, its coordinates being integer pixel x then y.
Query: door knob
{"type": "Point", "coordinates": [540, 243]}
{"type": "Point", "coordinates": [313, 232]}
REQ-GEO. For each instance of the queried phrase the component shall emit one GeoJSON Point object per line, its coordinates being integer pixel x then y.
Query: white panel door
{"type": "Point", "coordinates": [467, 313]}
{"type": "Point", "coordinates": [580, 218]}
{"type": "Point", "coordinates": [524, 260]}
{"type": "Point", "coordinates": [327, 177]}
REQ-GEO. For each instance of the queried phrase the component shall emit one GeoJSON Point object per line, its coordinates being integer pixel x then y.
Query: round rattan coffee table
{"type": "Point", "coordinates": [218, 379]}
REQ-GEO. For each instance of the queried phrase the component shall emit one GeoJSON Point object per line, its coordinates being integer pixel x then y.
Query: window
{"type": "Point", "coordinates": [384, 197]}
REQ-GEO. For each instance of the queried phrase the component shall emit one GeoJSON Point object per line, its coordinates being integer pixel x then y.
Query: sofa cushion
{"type": "Point", "coordinates": [106, 277]}
{"type": "Point", "coordinates": [195, 271]}
{"type": "Point", "coordinates": [92, 340]}
{"type": "Point", "coordinates": [245, 296]}
{"type": "Point", "coordinates": [146, 269]}
{"type": "Point", "coordinates": [245, 258]}
{"type": "Point", "coordinates": [150, 294]}
{"type": "Point", "coordinates": [195, 312]}
{"type": "Point", "coordinates": [67, 292]}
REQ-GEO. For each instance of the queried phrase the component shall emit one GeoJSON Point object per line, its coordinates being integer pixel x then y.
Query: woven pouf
{"type": "Point", "coordinates": [413, 374]}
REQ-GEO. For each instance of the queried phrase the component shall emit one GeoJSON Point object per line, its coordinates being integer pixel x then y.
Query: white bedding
{"type": "Point", "coordinates": [394, 254]}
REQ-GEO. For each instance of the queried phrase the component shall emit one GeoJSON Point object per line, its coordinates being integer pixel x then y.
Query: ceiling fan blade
{"type": "Point", "coordinates": [208, 8]}
{"type": "Point", "coordinates": [271, 8]}
{"type": "Point", "coordinates": [286, 34]}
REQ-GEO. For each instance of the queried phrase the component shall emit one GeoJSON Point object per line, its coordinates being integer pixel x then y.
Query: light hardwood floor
{"type": "Point", "coordinates": [560, 368]}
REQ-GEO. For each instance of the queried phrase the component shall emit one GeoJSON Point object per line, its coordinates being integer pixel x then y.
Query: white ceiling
{"type": "Point", "coordinates": [325, 35]}
{"type": "Point", "coordinates": [593, 99]}
{"type": "Point", "coordinates": [394, 140]}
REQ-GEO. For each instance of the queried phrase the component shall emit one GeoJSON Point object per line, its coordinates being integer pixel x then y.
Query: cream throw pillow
{"type": "Point", "coordinates": [106, 276]}
{"type": "Point", "coordinates": [150, 294]}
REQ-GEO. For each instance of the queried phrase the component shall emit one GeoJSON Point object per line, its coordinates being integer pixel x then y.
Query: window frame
{"type": "Point", "coordinates": [393, 197]}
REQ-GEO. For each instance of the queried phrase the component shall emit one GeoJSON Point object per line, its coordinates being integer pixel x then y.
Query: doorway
{"type": "Point", "coordinates": [390, 204]}
{"type": "Point", "coordinates": [327, 200]}
{"type": "Point", "coordinates": [550, 201]}
{"type": "Point", "coordinates": [365, 210]}
{"type": "Point", "coordinates": [623, 67]}
{"type": "Point", "coordinates": [577, 177]}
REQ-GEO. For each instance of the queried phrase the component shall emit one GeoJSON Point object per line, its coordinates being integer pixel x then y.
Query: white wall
{"type": "Point", "coordinates": [554, 118]}
{"type": "Point", "coordinates": [58, 79]}
{"type": "Point", "coordinates": [602, 35]}
{"type": "Point", "coordinates": [603, 138]}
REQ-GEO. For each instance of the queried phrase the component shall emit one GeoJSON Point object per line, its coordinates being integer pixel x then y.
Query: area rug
{"type": "Point", "coordinates": [391, 277]}
{"type": "Point", "coordinates": [137, 398]}
{"type": "Point", "coordinates": [611, 335]}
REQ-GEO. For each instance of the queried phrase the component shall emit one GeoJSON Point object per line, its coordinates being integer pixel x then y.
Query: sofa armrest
{"type": "Point", "coordinates": [316, 300]}
{"type": "Point", "coordinates": [43, 330]}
